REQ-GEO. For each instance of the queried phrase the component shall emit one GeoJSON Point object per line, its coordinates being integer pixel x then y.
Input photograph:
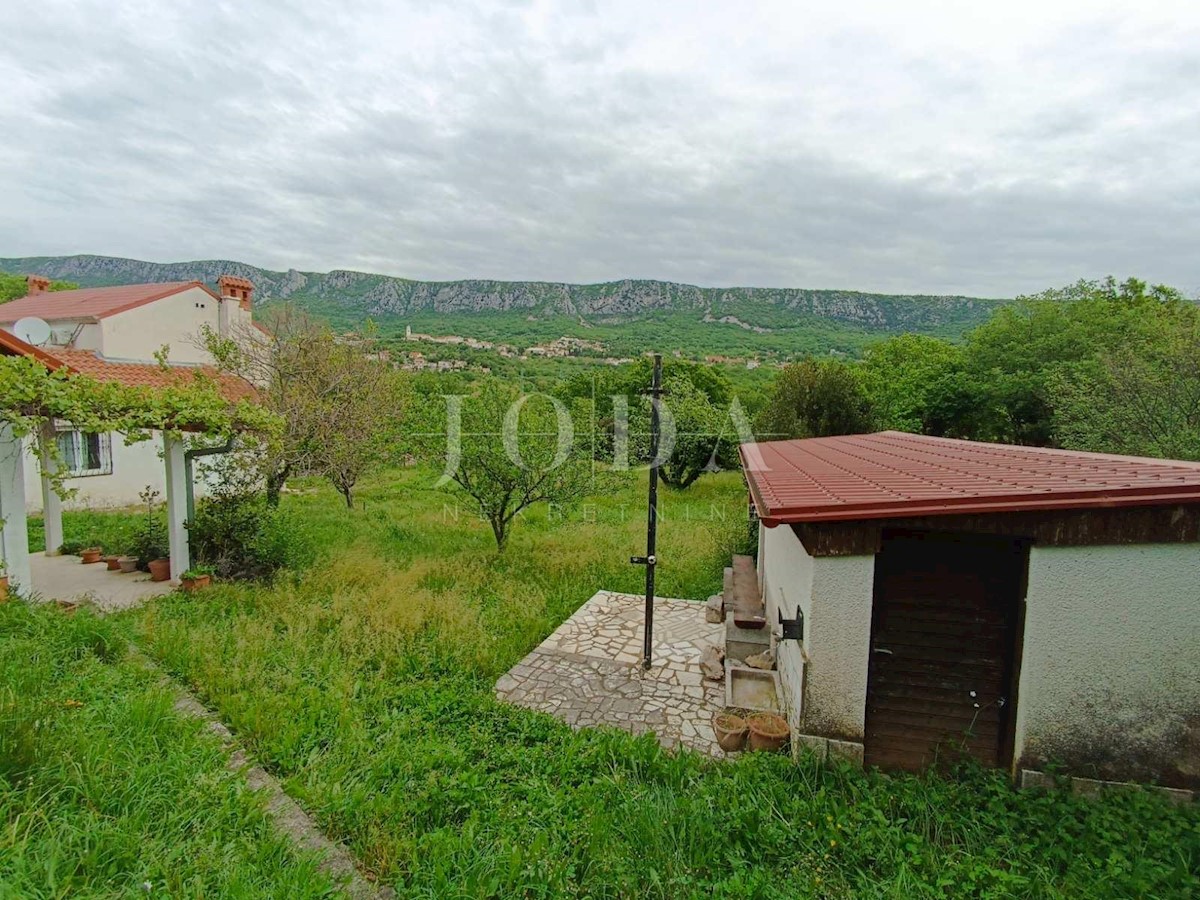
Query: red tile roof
{"type": "Point", "coordinates": [235, 281]}
{"type": "Point", "coordinates": [92, 303]}
{"type": "Point", "coordinates": [136, 374]}
{"type": "Point", "coordinates": [890, 474]}
{"type": "Point", "coordinates": [132, 374]}
{"type": "Point", "coordinates": [11, 345]}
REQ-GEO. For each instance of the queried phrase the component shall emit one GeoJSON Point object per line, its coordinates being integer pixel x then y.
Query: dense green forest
{"type": "Point", "coordinates": [1101, 366]}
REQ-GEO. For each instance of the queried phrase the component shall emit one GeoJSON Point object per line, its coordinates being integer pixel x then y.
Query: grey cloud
{"type": "Point", "coordinates": [447, 145]}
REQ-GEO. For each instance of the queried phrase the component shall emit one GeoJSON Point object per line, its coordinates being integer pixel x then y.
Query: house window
{"type": "Point", "coordinates": [85, 452]}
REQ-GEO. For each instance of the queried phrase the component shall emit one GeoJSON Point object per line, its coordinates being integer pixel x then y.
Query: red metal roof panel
{"type": "Point", "coordinates": [889, 474]}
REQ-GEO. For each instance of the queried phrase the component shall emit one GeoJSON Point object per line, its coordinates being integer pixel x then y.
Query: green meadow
{"type": "Point", "coordinates": [363, 681]}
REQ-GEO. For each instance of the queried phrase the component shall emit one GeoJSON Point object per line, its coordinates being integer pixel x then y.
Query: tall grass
{"type": "Point", "coordinates": [111, 529]}
{"type": "Point", "coordinates": [365, 682]}
{"type": "Point", "coordinates": [106, 792]}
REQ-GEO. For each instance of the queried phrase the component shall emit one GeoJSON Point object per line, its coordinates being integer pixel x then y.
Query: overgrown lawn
{"type": "Point", "coordinates": [106, 792]}
{"type": "Point", "coordinates": [365, 682]}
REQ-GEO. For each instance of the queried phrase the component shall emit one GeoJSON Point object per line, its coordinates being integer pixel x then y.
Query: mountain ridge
{"type": "Point", "coordinates": [367, 294]}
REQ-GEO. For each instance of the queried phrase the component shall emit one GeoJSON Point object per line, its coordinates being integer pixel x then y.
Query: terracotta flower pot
{"type": "Point", "coordinates": [768, 731]}
{"type": "Point", "coordinates": [160, 569]}
{"type": "Point", "coordinates": [195, 584]}
{"type": "Point", "coordinates": [3, 588]}
{"type": "Point", "coordinates": [90, 555]}
{"type": "Point", "coordinates": [114, 562]}
{"type": "Point", "coordinates": [731, 731]}
{"type": "Point", "coordinates": [127, 564]}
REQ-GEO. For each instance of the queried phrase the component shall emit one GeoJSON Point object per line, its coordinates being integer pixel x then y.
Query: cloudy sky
{"type": "Point", "coordinates": [944, 147]}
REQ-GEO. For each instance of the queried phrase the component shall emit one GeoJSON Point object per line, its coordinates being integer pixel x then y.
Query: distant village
{"type": "Point", "coordinates": [417, 361]}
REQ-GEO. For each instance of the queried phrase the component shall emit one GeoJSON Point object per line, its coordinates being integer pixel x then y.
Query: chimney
{"type": "Point", "coordinates": [239, 289]}
{"type": "Point", "coordinates": [36, 284]}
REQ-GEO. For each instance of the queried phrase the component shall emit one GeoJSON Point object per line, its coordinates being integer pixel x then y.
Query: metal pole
{"type": "Point", "coordinates": [652, 513]}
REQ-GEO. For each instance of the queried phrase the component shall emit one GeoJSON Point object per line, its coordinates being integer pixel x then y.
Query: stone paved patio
{"type": "Point", "coordinates": [588, 672]}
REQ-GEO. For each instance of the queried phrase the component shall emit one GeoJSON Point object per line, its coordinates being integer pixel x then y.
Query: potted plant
{"type": "Point", "coordinates": [127, 564]}
{"type": "Point", "coordinates": [768, 731]}
{"type": "Point", "coordinates": [160, 569]}
{"type": "Point", "coordinates": [150, 541]}
{"type": "Point", "coordinates": [113, 561]}
{"type": "Point", "coordinates": [197, 577]}
{"type": "Point", "coordinates": [89, 555]}
{"type": "Point", "coordinates": [731, 731]}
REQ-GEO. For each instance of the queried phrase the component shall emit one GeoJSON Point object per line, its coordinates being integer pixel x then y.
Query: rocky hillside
{"type": "Point", "coordinates": [363, 294]}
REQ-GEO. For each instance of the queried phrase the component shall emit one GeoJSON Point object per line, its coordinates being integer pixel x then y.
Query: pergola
{"type": "Point", "coordinates": [146, 383]}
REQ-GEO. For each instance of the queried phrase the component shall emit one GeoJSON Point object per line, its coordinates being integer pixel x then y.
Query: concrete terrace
{"type": "Point", "coordinates": [66, 578]}
{"type": "Point", "coordinates": [589, 673]}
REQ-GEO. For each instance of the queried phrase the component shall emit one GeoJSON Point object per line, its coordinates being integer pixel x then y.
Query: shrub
{"type": "Point", "coordinates": [236, 533]}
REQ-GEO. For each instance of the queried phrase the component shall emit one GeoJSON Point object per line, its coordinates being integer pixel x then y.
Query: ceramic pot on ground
{"type": "Point", "coordinates": [127, 564]}
{"type": "Point", "coordinates": [731, 731]}
{"type": "Point", "coordinates": [767, 731]}
{"type": "Point", "coordinates": [90, 555]}
{"type": "Point", "coordinates": [194, 584]}
{"type": "Point", "coordinates": [113, 562]}
{"type": "Point", "coordinates": [160, 569]}
{"type": "Point", "coordinates": [3, 588]}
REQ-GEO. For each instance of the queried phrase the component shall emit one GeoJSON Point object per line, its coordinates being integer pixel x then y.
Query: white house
{"type": "Point", "coordinates": [95, 329]}
{"type": "Point", "coordinates": [1026, 607]}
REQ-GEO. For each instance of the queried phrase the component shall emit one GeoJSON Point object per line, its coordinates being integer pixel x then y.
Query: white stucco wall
{"type": "Point", "coordinates": [827, 695]}
{"type": "Point", "coordinates": [785, 575]}
{"type": "Point", "coordinates": [134, 467]}
{"type": "Point", "coordinates": [176, 320]}
{"type": "Point", "coordinates": [1110, 674]}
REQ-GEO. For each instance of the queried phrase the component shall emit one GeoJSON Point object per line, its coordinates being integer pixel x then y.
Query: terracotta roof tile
{"type": "Point", "coordinates": [135, 374]}
{"type": "Point", "coordinates": [889, 474]}
{"type": "Point", "coordinates": [92, 303]}
{"type": "Point", "coordinates": [11, 345]}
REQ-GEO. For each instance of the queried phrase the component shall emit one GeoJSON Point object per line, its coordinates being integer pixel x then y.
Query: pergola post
{"type": "Point", "coordinates": [14, 539]}
{"type": "Point", "coordinates": [173, 452]}
{"type": "Point", "coordinates": [51, 502]}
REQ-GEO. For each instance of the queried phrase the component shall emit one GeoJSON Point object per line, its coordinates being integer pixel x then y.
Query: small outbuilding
{"type": "Point", "coordinates": [1029, 608]}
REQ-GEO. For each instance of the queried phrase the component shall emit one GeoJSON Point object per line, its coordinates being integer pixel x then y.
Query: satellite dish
{"type": "Point", "coordinates": [32, 330]}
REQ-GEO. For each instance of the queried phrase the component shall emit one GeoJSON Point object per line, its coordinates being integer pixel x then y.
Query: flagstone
{"type": "Point", "coordinates": [589, 672]}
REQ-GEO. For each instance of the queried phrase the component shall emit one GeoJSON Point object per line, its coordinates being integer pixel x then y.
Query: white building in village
{"type": "Point", "coordinates": [95, 330]}
{"type": "Point", "coordinates": [1023, 606]}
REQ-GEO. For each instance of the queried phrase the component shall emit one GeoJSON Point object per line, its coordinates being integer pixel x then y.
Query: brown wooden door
{"type": "Point", "coordinates": [944, 630]}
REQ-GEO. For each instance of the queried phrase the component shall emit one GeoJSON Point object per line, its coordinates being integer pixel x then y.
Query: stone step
{"type": "Point", "coordinates": [743, 642]}
{"type": "Point", "coordinates": [748, 610]}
